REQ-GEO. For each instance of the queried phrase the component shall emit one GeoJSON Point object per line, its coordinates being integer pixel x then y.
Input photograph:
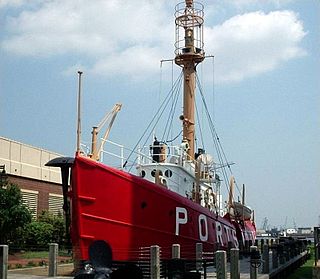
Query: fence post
{"type": "Point", "coordinates": [261, 244]}
{"type": "Point", "coordinates": [175, 251]}
{"type": "Point", "coordinates": [275, 261]}
{"type": "Point", "coordinates": [53, 256]}
{"type": "Point", "coordinates": [221, 264]}
{"type": "Point", "coordinates": [253, 268]}
{"type": "Point", "coordinates": [265, 257]}
{"type": "Point", "coordinates": [199, 252]}
{"type": "Point", "coordinates": [234, 264]}
{"type": "Point", "coordinates": [155, 262]}
{"type": "Point", "coordinates": [4, 261]}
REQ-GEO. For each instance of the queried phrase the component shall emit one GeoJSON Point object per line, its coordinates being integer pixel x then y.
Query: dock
{"type": "Point", "coordinates": [276, 261]}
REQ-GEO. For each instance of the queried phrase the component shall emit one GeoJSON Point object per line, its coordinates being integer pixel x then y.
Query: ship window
{"type": "Point", "coordinates": [143, 173]}
{"type": "Point", "coordinates": [168, 173]}
{"type": "Point", "coordinates": [153, 173]}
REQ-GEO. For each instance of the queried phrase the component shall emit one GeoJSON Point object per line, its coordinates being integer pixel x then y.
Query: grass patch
{"type": "Point", "coordinates": [42, 254]}
{"type": "Point", "coordinates": [304, 271]}
{"type": "Point", "coordinates": [34, 254]}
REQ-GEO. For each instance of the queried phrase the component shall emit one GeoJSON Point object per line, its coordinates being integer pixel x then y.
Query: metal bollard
{"type": "Point", "coordinates": [234, 264]}
{"type": "Point", "coordinates": [275, 261]}
{"type": "Point", "coordinates": [221, 264]}
{"type": "Point", "coordinates": [199, 253]}
{"type": "Point", "coordinates": [175, 251]}
{"type": "Point", "coordinates": [53, 256]}
{"type": "Point", "coordinates": [4, 261]}
{"type": "Point", "coordinates": [261, 244]}
{"type": "Point", "coordinates": [155, 262]}
{"type": "Point", "coordinates": [265, 258]}
{"type": "Point", "coordinates": [254, 262]}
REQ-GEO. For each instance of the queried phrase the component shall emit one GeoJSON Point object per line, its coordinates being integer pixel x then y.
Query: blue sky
{"type": "Point", "coordinates": [266, 89]}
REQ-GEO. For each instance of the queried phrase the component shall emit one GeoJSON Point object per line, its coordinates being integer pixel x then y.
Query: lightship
{"type": "Point", "coordinates": [172, 198]}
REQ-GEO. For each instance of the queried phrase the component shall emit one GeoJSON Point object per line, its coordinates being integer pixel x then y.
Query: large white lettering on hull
{"type": "Point", "coordinates": [181, 218]}
{"type": "Point", "coordinates": [223, 233]}
{"type": "Point", "coordinates": [219, 233]}
{"type": "Point", "coordinates": [235, 239]}
{"type": "Point", "coordinates": [203, 219]}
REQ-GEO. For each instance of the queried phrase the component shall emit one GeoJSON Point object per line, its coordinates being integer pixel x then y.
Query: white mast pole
{"type": "Point", "coordinates": [79, 114]}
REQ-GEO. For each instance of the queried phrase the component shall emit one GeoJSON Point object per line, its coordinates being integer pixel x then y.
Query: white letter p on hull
{"type": "Point", "coordinates": [181, 218]}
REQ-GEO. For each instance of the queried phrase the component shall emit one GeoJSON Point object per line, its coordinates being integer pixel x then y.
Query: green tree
{"type": "Point", "coordinates": [13, 214]}
{"type": "Point", "coordinates": [58, 223]}
{"type": "Point", "coordinates": [37, 235]}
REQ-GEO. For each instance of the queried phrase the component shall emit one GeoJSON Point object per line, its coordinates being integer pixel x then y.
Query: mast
{"type": "Point", "coordinates": [79, 114]}
{"type": "Point", "coordinates": [189, 53]}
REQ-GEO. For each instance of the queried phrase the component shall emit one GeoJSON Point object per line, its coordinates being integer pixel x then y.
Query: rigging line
{"type": "Point", "coordinates": [215, 136]}
{"type": "Point", "coordinates": [168, 141]}
{"type": "Point", "coordinates": [199, 125]}
{"type": "Point", "coordinates": [160, 85]}
{"type": "Point", "coordinates": [172, 78]}
{"type": "Point", "coordinates": [153, 118]}
{"type": "Point", "coordinates": [164, 105]}
{"type": "Point", "coordinates": [174, 107]}
{"type": "Point", "coordinates": [172, 117]}
{"type": "Point", "coordinates": [213, 91]}
{"type": "Point", "coordinates": [171, 113]}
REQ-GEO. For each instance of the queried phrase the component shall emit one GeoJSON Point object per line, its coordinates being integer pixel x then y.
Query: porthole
{"type": "Point", "coordinates": [142, 173]}
{"type": "Point", "coordinates": [168, 173]}
{"type": "Point", "coordinates": [153, 173]}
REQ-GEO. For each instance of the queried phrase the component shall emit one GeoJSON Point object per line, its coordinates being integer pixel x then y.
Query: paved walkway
{"type": "Point", "coordinates": [40, 272]}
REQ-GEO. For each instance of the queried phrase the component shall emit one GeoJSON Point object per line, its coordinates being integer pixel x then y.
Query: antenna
{"type": "Point", "coordinates": [79, 114]}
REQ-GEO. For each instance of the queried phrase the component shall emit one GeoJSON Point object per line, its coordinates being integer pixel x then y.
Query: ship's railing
{"type": "Point", "coordinates": [120, 155]}
{"type": "Point", "coordinates": [113, 153]}
{"type": "Point", "coordinates": [144, 155]}
{"type": "Point", "coordinates": [116, 155]}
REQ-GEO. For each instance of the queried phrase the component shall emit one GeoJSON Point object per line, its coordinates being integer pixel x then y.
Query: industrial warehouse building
{"type": "Point", "coordinates": [25, 166]}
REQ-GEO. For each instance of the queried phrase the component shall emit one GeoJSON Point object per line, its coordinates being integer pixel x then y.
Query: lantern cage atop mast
{"type": "Point", "coordinates": [189, 32]}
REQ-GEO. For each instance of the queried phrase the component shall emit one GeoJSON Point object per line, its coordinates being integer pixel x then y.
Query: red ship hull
{"type": "Point", "coordinates": [129, 213]}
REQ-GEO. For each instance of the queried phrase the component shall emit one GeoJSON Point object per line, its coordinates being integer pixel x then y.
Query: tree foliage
{"type": "Point", "coordinates": [48, 228]}
{"type": "Point", "coordinates": [17, 226]}
{"type": "Point", "coordinates": [13, 214]}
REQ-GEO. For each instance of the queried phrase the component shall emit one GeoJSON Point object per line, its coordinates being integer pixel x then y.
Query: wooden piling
{"type": "Point", "coordinates": [155, 262]}
{"type": "Point", "coordinates": [175, 251]}
{"type": "Point", "coordinates": [253, 267]}
{"type": "Point", "coordinates": [265, 258]}
{"type": "Point", "coordinates": [234, 264]}
{"type": "Point", "coordinates": [199, 254]}
{"type": "Point", "coordinates": [4, 249]}
{"type": "Point", "coordinates": [53, 259]}
{"type": "Point", "coordinates": [221, 264]}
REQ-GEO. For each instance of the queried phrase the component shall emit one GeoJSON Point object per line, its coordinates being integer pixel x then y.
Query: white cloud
{"type": "Point", "coordinates": [119, 37]}
{"type": "Point", "coordinates": [19, 3]}
{"type": "Point", "coordinates": [257, 3]}
{"type": "Point", "coordinates": [90, 27]}
{"type": "Point", "coordinates": [8, 3]}
{"type": "Point", "coordinates": [253, 43]}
